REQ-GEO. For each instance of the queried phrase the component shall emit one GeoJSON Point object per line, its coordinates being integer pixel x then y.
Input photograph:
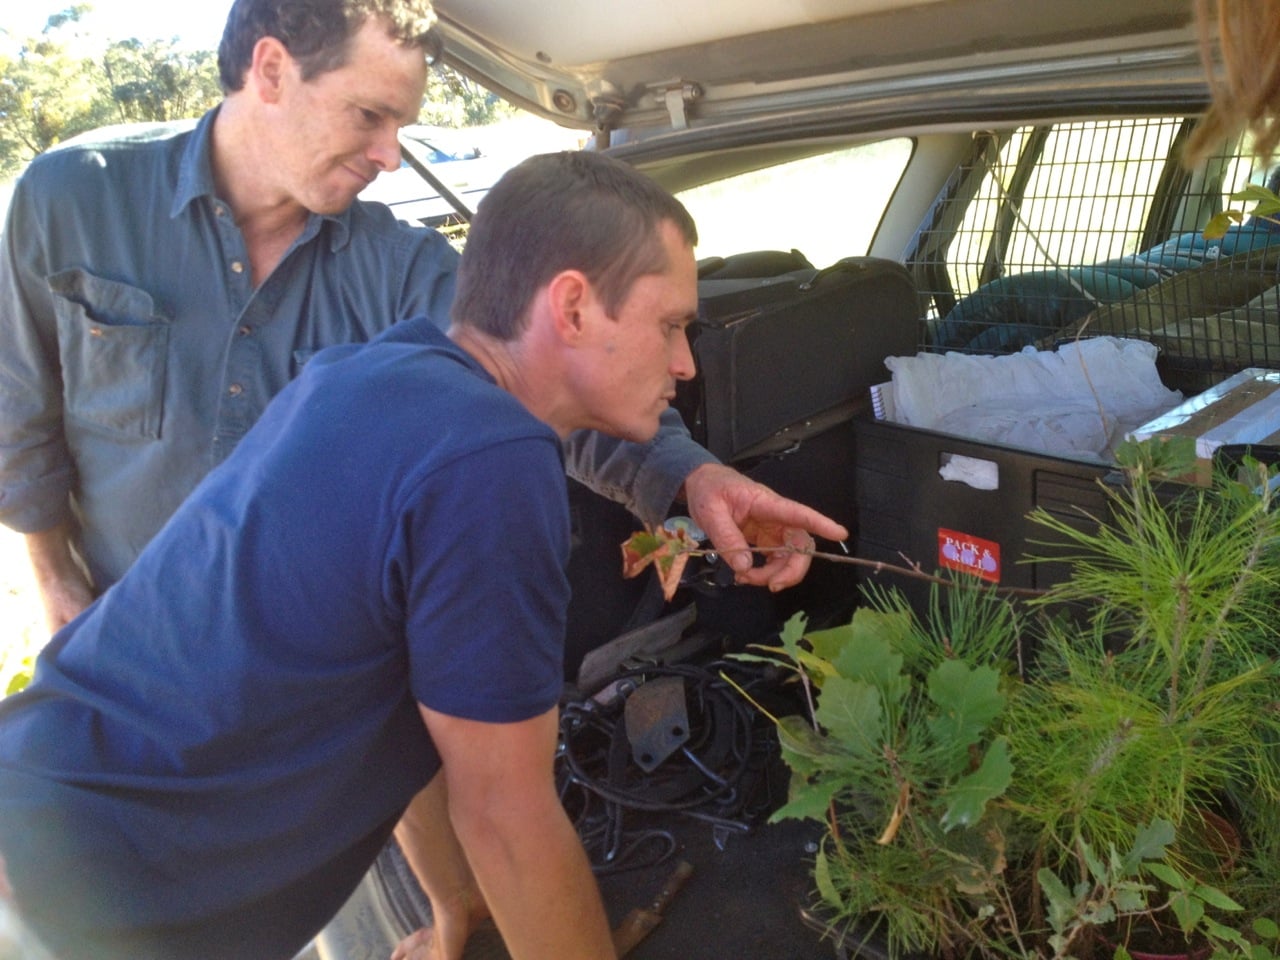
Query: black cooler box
{"type": "Point", "coordinates": [907, 514]}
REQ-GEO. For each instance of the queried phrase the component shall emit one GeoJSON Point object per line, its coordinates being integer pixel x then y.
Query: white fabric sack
{"type": "Point", "coordinates": [1075, 401]}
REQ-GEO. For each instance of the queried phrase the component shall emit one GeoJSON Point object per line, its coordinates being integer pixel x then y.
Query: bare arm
{"type": "Point", "coordinates": [64, 586]}
{"type": "Point", "coordinates": [526, 856]}
{"type": "Point", "coordinates": [431, 848]}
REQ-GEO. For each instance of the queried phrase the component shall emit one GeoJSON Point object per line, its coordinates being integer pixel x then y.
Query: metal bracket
{"type": "Point", "coordinates": [605, 110]}
{"type": "Point", "coordinates": [677, 99]}
{"type": "Point", "coordinates": [657, 720]}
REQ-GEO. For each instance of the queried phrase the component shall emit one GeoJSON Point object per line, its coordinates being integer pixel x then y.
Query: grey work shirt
{"type": "Point", "coordinates": [136, 351]}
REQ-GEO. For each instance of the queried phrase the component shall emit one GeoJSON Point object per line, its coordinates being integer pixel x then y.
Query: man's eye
{"type": "Point", "coordinates": [369, 117]}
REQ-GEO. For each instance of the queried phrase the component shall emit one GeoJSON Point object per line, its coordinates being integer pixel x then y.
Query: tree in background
{"type": "Point", "coordinates": [158, 81]}
{"type": "Point", "coordinates": [453, 100]}
{"type": "Point", "coordinates": [49, 92]}
{"type": "Point", "coordinates": [50, 89]}
{"type": "Point", "coordinates": [46, 94]}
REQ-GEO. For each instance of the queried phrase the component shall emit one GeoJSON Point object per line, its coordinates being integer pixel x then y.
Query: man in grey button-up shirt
{"type": "Point", "coordinates": [157, 289]}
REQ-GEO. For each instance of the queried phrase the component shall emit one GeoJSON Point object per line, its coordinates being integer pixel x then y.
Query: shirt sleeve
{"type": "Point", "coordinates": [35, 466]}
{"type": "Point", "coordinates": [485, 551]}
{"type": "Point", "coordinates": [643, 477]}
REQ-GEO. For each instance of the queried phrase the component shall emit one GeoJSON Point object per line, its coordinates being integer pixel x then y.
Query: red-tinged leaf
{"type": "Point", "coordinates": [638, 552]}
{"type": "Point", "coordinates": [667, 550]}
{"type": "Point", "coordinates": [670, 570]}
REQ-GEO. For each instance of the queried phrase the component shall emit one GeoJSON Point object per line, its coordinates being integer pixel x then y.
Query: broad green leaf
{"type": "Point", "coordinates": [866, 625]}
{"type": "Point", "coordinates": [798, 737]}
{"type": "Point", "coordinates": [968, 699]}
{"type": "Point", "coordinates": [1188, 909]}
{"type": "Point", "coordinates": [1131, 898]}
{"type": "Point", "coordinates": [828, 643]}
{"type": "Point", "coordinates": [1149, 844]}
{"type": "Point", "coordinates": [1219, 223]}
{"type": "Point", "coordinates": [1215, 897]}
{"type": "Point", "coordinates": [966, 801]}
{"type": "Point", "coordinates": [1097, 869]}
{"type": "Point", "coordinates": [1266, 928]}
{"type": "Point", "coordinates": [851, 712]}
{"type": "Point", "coordinates": [1062, 905]}
{"type": "Point", "coordinates": [822, 878]}
{"type": "Point", "coordinates": [1167, 875]}
{"type": "Point", "coordinates": [808, 800]}
{"type": "Point", "coordinates": [1218, 931]}
{"type": "Point", "coordinates": [793, 630]}
{"type": "Point", "coordinates": [871, 657]}
{"type": "Point", "coordinates": [1256, 192]}
{"type": "Point", "coordinates": [1169, 456]}
{"type": "Point", "coordinates": [790, 636]}
{"type": "Point", "coordinates": [1099, 914]}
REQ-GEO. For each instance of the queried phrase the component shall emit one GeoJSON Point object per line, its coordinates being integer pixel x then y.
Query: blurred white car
{"type": "Point", "coordinates": [465, 173]}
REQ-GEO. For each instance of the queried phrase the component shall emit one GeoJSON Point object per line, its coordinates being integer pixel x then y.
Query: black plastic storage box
{"type": "Point", "coordinates": [907, 514]}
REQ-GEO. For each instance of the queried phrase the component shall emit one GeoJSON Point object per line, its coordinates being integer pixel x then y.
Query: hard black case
{"type": "Point", "coordinates": [790, 355]}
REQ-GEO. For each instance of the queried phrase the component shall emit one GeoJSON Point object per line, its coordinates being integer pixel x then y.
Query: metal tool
{"type": "Point", "coordinates": [639, 923]}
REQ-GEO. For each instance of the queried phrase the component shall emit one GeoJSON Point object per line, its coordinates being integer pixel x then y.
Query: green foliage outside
{"type": "Point", "coordinates": [49, 92]}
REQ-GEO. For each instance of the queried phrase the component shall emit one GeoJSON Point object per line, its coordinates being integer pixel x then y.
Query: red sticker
{"type": "Point", "coordinates": [969, 554]}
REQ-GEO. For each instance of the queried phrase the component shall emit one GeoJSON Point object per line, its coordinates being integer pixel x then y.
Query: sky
{"type": "Point", "coordinates": [196, 23]}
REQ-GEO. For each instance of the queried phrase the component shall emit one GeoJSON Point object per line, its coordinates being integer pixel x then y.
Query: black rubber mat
{"type": "Point", "coordinates": [742, 901]}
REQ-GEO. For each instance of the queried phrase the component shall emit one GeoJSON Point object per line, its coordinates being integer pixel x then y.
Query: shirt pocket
{"type": "Point", "coordinates": [114, 351]}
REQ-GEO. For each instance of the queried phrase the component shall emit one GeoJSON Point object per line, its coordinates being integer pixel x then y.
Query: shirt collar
{"type": "Point", "coordinates": [195, 180]}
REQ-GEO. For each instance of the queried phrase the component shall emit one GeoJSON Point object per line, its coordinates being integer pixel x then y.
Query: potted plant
{"type": "Point", "coordinates": [980, 800]}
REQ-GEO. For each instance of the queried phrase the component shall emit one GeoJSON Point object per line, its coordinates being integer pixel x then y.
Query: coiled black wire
{"type": "Point", "coordinates": [719, 776]}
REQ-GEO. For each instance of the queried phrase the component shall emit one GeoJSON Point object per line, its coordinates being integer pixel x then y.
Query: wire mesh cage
{"type": "Point", "coordinates": [1089, 228]}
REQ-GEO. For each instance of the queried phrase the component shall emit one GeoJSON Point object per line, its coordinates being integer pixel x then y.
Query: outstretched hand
{"type": "Point", "coordinates": [737, 513]}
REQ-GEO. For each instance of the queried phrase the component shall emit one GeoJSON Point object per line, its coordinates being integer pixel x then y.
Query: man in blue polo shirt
{"type": "Point", "coordinates": [210, 758]}
{"type": "Point", "coordinates": [158, 289]}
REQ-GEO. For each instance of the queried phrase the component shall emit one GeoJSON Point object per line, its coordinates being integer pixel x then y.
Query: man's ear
{"type": "Point", "coordinates": [571, 300]}
{"type": "Point", "coordinates": [271, 62]}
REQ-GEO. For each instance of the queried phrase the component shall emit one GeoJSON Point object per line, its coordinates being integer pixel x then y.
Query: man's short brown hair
{"type": "Point", "coordinates": [317, 33]}
{"type": "Point", "coordinates": [562, 211]}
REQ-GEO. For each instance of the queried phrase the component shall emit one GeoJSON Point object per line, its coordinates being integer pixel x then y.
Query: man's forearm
{"type": "Point", "coordinates": [539, 887]}
{"type": "Point", "coordinates": [644, 477]}
{"type": "Point", "coordinates": [65, 590]}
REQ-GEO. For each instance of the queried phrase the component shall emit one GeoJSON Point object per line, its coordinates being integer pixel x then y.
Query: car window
{"type": "Point", "coordinates": [1045, 232]}
{"type": "Point", "coordinates": [827, 207]}
{"type": "Point", "coordinates": [430, 153]}
{"type": "Point", "coordinates": [1083, 197]}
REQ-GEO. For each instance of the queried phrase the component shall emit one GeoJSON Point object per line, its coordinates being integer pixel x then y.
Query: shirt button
{"type": "Point", "coordinates": [220, 211]}
{"type": "Point", "coordinates": [235, 390]}
{"type": "Point", "coordinates": [245, 330]}
{"type": "Point", "coordinates": [237, 266]}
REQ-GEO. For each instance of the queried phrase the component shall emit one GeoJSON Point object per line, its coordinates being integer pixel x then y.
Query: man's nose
{"type": "Point", "coordinates": [683, 366]}
{"type": "Point", "coordinates": [385, 151]}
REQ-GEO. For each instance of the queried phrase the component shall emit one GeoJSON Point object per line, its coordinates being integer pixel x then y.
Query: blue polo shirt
{"type": "Point", "coordinates": [226, 737]}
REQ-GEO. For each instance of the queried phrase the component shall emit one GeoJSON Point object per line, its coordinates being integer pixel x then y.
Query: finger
{"type": "Point", "coordinates": [781, 571]}
{"type": "Point", "coordinates": [789, 513]}
{"type": "Point", "coordinates": [716, 518]}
